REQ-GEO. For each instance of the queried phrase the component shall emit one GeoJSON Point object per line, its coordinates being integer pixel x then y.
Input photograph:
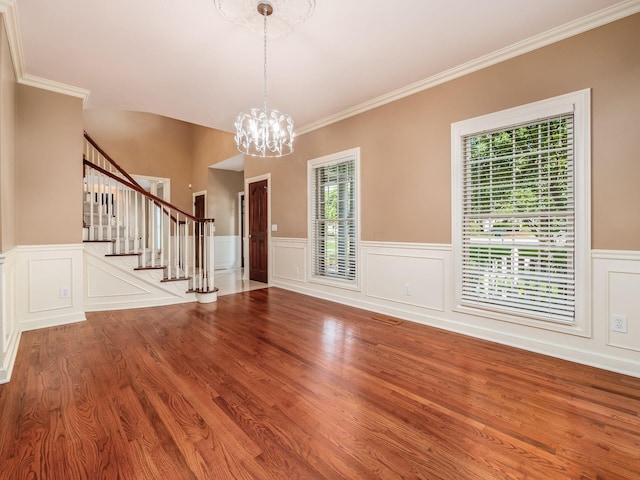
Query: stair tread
{"type": "Point", "coordinates": [175, 279]}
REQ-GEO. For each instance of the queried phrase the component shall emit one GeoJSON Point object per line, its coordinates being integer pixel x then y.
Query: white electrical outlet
{"type": "Point", "coordinates": [407, 289]}
{"type": "Point", "coordinates": [618, 323]}
{"type": "Point", "coordinates": [65, 292]}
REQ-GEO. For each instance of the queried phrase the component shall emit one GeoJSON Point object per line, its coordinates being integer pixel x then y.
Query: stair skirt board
{"type": "Point", "coordinates": [112, 283]}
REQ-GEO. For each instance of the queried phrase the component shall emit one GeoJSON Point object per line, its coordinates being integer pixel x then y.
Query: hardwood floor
{"type": "Point", "coordinates": [268, 384]}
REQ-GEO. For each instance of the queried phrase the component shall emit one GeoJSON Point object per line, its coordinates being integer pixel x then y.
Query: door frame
{"type": "Point", "coordinates": [193, 202]}
{"type": "Point", "coordinates": [247, 182]}
{"type": "Point", "coordinates": [241, 229]}
{"type": "Point", "coordinates": [166, 184]}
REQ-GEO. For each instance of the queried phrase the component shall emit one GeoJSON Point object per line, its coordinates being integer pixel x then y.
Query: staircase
{"type": "Point", "coordinates": [140, 250]}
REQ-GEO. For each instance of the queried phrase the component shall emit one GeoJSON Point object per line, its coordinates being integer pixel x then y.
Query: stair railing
{"type": "Point", "coordinates": [94, 154]}
{"type": "Point", "coordinates": [137, 223]}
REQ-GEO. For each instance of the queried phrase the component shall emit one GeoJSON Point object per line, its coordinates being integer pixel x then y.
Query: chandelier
{"type": "Point", "coordinates": [264, 132]}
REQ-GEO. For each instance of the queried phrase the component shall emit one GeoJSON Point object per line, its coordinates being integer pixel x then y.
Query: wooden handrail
{"type": "Point", "coordinates": [111, 160]}
{"type": "Point", "coordinates": [139, 189]}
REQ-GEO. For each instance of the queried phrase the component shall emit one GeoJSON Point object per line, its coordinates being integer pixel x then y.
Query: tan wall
{"type": "Point", "coordinates": [157, 146]}
{"type": "Point", "coordinates": [48, 168]}
{"type": "Point", "coordinates": [222, 198]}
{"type": "Point", "coordinates": [405, 145]}
{"type": "Point", "coordinates": [7, 146]}
{"type": "Point", "coordinates": [209, 147]}
{"type": "Point", "coordinates": [146, 144]}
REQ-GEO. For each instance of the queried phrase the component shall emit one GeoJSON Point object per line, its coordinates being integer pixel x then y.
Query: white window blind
{"type": "Point", "coordinates": [518, 217]}
{"type": "Point", "coordinates": [333, 229]}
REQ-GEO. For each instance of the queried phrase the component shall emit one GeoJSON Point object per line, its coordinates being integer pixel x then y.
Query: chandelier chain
{"type": "Point", "coordinates": [264, 14]}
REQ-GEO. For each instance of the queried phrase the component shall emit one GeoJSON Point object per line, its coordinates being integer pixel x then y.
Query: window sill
{"type": "Point", "coordinates": [579, 329]}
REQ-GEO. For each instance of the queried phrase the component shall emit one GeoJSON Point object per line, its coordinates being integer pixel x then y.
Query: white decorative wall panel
{"type": "Point", "coordinates": [289, 259]}
{"type": "Point", "coordinates": [412, 280]}
{"type": "Point", "coordinates": [48, 278]}
{"type": "Point", "coordinates": [624, 299]}
{"type": "Point", "coordinates": [9, 328]}
{"type": "Point", "coordinates": [49, 285]}
{"type": "Point", "coordinates": [112, 283]}
{"type": "Point", "coordinates": [226, 251]}
{"type": "Point", "coordinates": [616, 291]}
{"type": "Point", "coordinates": [102, 283]}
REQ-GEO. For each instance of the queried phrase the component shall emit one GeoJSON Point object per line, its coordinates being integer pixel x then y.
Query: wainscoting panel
{"type": "Point", "coordinates": [49, 285]}
{"type": "Point", "coordinates": [105, 282]}
{"type": "Point", "coordinates": [624, 299]}
{"type": "Point", "coordinates": [111, 283]}
{"type": "Point", "coordinates": [289, 259]}
{"type": "Point", "coordinates": [616, 291]}
{"type": "Point", "coordinates": [226, 251]}
{"type": "Point", "coordinates": [9, 328]}
{"type": "Point", "coordinates": [48, 279]}
{"type": "Point", "coordinates": [409, 279]}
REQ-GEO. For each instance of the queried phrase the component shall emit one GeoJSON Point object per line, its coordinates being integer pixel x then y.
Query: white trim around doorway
{"type": "Point", "coordinates": [193, 203]}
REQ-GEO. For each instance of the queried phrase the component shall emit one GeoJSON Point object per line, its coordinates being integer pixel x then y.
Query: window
{"type": "Point", "coordinates": [333, 218]}
{"type": "Point", "coordinates": [521, 199]}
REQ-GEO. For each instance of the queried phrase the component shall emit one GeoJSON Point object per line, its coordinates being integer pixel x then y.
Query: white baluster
{"type": "Point", "coordinates": [193, 257]}
{"type": "Point", "coordinates": [201, 253]}
{"type": "Point", "coordinates": [143, 226]}
{"type": "Point", "coordinates": [91, 185]}
{"type": "Point", "coordinates": [176, 253]}
{"type": "Point", "coordinates": [100, 205]}
{"type": "Point", "coordinates": [161, 234]}
{"type": "Point", "coordinates": [136, 233]}
{"type": "Point", "coordinates": [127, 215]}
{"type": "Point", "coordinates": [152, 232]}
{"type": "Point", "coordinates": [185, 249]}
{"type": "Point", "coordinates": [110, 216]}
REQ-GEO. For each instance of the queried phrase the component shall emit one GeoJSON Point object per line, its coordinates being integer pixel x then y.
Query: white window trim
{"type": "Point", "coordinates": [353, 153]}
{"type": "Point", "coordinates": [580, 104]}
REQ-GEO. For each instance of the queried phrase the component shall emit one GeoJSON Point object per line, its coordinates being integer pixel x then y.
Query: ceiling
{"type": "Point", "coordinates": [182, 59]}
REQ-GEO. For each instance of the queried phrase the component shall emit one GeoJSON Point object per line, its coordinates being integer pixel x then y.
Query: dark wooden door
{"type": "Point", "coordinates": [198, 212]}
{"type": "Point", "coordinates": [258, 234]}
{"type": "Point", "coordinates": [242, 230]}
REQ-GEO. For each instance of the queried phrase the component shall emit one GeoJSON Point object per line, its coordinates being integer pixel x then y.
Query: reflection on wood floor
{"type": "Point", "coordinates": [269, 384]}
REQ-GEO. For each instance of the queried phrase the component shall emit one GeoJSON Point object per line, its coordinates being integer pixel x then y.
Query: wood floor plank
{"type": "Point", "coordinates": [270, 384]}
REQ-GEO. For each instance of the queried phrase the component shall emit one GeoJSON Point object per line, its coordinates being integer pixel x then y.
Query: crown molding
{"type": "Point", "coordinates": [9, 11]}
{"type": "Point", "coordinates": [597, 19]}
{"type": "Point", "coordinates": [52, 86]}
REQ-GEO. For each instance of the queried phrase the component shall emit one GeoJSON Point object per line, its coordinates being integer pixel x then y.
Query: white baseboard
{"type": "Point", "coordinates": [52, 321]}
{"type": "Point", "coordinates": [9, 358]}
